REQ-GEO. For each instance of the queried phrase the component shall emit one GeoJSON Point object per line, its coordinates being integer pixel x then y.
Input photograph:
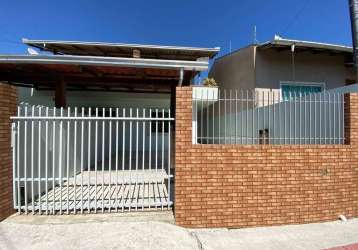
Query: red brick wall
{"type": "Point", "coordinates": [8, 104]}
{"type": "Point", "coordinates": [258, 185]}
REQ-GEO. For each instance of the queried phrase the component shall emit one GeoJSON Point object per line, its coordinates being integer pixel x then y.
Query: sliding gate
{"type": "Point", "coordinates": [91, 160]}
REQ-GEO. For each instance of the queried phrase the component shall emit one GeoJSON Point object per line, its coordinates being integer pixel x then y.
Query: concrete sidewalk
{"type": "Point", "coordinates": [307, 236]}
{"type": "Point", "coordinates": [153, 230]}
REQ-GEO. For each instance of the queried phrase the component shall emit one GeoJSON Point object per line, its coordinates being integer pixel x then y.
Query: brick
{"type": "Point", "coordinates": [260, 185]}
{"type": "Point", "coordinates": [8, 106]}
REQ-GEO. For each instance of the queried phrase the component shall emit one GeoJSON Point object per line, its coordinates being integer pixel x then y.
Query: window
{"type": "Point", "coordinates": [290, 90]}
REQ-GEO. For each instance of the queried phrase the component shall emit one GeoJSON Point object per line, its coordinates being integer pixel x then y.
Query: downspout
{"type": "Point", "coordinates": [254, 65]}
{"type": "Point", "coordinates": [353, 10]}
{"type": "Point", "coordinates": [181, 77]}
{"type": "Point", "coordinates": [293, 63]}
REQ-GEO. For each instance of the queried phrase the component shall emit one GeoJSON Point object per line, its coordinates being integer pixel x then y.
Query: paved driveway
{"type": "Point", "coordinates": [156, 231]}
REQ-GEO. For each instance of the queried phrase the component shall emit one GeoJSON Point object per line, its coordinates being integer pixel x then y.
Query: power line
{"type": "Point", "coordinates": [10, 36]}
{"type": "Point", "coordinates": [6, 38]}
{"type": "Point", "coordinates": [11, 42]}
{"type": "Point", "coordinates": [298, 13]}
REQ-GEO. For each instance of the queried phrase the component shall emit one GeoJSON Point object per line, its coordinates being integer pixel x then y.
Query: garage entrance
{"type": "Point", "coordinates": [91, 159]}
{"type": "Point", "coordinates": [115, 153]}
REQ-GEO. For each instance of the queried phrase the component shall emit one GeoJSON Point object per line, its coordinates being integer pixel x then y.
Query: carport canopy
{"type": "Point", "coordinates": [122, 49]}
{"type": "Point", "coordinates": [43, 72]}
{"type": "Point", "coordinates": [69, 65]}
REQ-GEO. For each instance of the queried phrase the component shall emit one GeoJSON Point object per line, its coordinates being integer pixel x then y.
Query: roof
{"type": "Point", "coordinates": [279, 42]}
{"type": "Point", "coordinates": [122, 49]}
{"type": "Point", "coordinates": [97, 73]}
{"type": "Point", "coordinates": [105, 61]}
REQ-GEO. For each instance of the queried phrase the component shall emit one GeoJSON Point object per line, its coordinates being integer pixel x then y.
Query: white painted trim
{"type": "Point", "coordinates": [308, 44]}
{"type": "Point", "coordinates": [105, 61]}
{"type": "Point", "coordinates": [131, 45]}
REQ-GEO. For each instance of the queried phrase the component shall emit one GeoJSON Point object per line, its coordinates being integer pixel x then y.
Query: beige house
{"type": "Point", "coordinates": [285, 66]}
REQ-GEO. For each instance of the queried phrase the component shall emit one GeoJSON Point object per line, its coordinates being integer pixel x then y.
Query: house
{"type": "Point", "coordinates": [285, 66]}
{"type": "Point", "coordinates": [96, 120]}
{"type": "Point", "coordinates": [119, 128]}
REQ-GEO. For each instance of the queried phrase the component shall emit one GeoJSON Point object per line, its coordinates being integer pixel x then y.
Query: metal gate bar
{"type": "Point", "coordinates": [265, 116]}
{"type": "Point", "coordinates": [98, 160]}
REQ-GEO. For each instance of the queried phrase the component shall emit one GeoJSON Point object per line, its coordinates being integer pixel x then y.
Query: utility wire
{"type": "Point", "coordinates": [10, 42]}
{"type": "Point", "coordinates": [8, 39]}
{"type": "Point", "coordinates": [10, 36]}
{"type": "Point", "coordinates": [298, 13]}
{"type": "Point", "coordinates": [5, 38]}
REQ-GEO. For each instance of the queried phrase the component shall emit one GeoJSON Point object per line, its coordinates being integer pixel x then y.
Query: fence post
{"type": "Point", "coordinates": [8, 105]}
{"type": "Point", "coordinates": [183, 140]}
{"type": "Point", "coordinates": [351, 118]}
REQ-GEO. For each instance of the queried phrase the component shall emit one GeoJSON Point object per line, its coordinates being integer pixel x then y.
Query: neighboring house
{"type": "Point", "coordinates": [286, 66]}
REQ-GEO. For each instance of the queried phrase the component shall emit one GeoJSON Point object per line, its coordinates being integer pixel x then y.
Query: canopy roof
{"type": "Point", "coordinates": [282, 43]}
{"type": "Point", "coordinates": [97, 73]}
{"type": "Point", "coordinates": [122, 49]}
{"type": "Point", "coordinates": [105, 66]}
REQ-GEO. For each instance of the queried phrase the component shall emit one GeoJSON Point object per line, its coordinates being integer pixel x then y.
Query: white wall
{"type": "Point", "coordinates": [96, 99]}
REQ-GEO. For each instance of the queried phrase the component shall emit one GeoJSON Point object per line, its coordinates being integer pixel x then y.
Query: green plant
{"type": "Point", "coordinates": [209, 82]}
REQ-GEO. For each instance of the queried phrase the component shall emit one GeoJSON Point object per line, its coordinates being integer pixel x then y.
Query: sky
{"type": "Point", "coordinates": [173, 22]}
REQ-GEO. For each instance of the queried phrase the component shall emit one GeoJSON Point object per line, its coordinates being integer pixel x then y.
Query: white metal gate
{"type": "Point", "coordinates": [91, 160]}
